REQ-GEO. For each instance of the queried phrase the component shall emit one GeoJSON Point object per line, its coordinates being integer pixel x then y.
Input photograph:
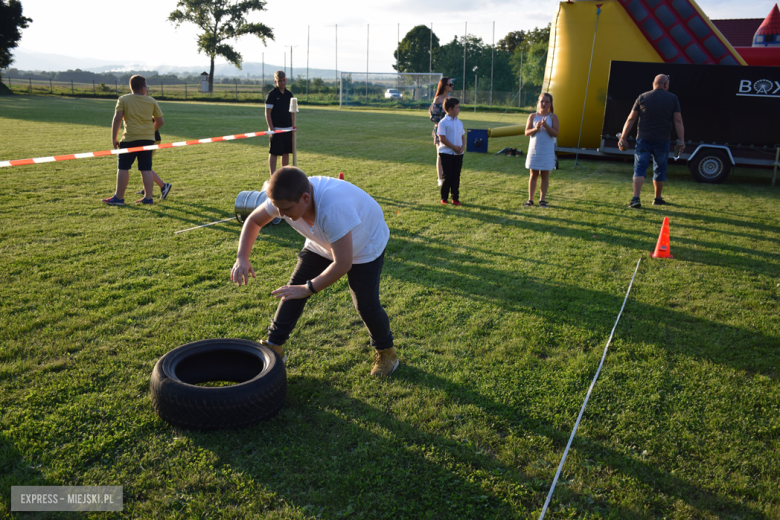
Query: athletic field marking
{"type": "Point", "coordinates": [69, 157]}
{"type": "Point", "coordinates": [592, 384]}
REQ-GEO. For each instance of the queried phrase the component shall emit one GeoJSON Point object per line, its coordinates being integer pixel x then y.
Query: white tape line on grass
{"type": "Point", "coordinates": [587, 396]}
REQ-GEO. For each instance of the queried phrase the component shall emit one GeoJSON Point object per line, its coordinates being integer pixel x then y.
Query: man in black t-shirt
{"type": "Point", "coordinates": [656, 111]}
{"type": "Point", "coordinates": [277, 115]}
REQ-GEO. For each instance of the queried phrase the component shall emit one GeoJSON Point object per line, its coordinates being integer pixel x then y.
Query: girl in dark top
{"type": "Point", "coordinates": [437, 114]}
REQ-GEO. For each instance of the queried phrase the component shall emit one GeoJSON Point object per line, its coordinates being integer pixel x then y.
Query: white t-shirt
{"type": "Point", "coordinates": [452, 129]}
{"type": "Point", "coordinates": [341, 207]}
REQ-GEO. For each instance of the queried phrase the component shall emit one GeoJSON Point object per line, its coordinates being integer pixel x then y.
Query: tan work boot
{"type": "Point", "coordinates": [279, 349]}
{"type": "Point", "coordinates": [385, 362]}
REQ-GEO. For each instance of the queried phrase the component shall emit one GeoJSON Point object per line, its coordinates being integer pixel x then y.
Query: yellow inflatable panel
{"type": "Point", "coordinates": [568, 58]}
{"type": "Point", "coordinates": [506, 131]}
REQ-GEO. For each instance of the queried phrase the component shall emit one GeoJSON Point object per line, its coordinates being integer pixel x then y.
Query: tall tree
{"type": "Point", "coordinates": [221, 20]}
{"type": "Point", "coordinates": [11, 24]}
{"type": "Point", "coordinates": [511, 41]}
{"type": "Point", "coordinates": [534, 52]}
{"type": "Point", "coordinates": [413, 53]}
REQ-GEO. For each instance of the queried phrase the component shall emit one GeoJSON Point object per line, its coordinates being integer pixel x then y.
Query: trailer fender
{"type": "Point", "coordinates": [705, 146]}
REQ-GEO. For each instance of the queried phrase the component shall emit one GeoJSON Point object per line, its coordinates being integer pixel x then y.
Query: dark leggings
{"type": "Point", "coordinates": [363, 286]}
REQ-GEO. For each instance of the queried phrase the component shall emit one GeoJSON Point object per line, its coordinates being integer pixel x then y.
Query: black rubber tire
{"type": "Point", "coordinates": [258, 395]}
{"type": "Point", "coordinates": [710, 166]}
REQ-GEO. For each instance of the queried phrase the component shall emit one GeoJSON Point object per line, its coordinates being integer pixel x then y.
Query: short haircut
{"type": "Point", "coordinates": [288, 183]}
{"type": "Point", "coordinates": [137, 82]}
{"type": "Point", "coordinates": [279, 74]}
{"type": "Point", "coordinates": [451, 102]}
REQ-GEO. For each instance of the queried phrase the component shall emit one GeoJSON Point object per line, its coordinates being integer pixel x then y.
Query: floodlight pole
{"type": "Point", "coordinates": [308, 40]}
{"type": "Point", "coordinates": [367, 42]}
{"type": "Point", "coordinates": [430, 53]}
{"type": "Point", "coordinates": [492, 63]}
{"type": "Point", "coordinates": [465, 38]}
{"type": "Point", "coordinates": [292, 73]}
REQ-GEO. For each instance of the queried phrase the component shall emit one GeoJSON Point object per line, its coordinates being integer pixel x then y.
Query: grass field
{"type": "Point", "coordinates": [500, 316]}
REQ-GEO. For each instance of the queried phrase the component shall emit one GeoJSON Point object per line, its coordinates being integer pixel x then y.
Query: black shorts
{"type": "Point", "coordinates": [281, 144]}
{"type": "Point", "coordinates": [126, 160]}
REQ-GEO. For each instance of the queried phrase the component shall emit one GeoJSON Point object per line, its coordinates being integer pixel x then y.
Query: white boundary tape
{"type": "Point", "coordinates": [592, 384]}
{"type": "Point", "coordinates": [68, 157]}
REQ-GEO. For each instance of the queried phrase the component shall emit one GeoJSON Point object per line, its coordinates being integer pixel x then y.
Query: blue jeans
{"type": "Point", "coordinates": [659, 150]}
{"type": "Point", "coordinates": [363, 286]}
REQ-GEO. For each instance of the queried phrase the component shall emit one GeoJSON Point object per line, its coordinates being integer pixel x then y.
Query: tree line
{"type": "Point", "coordinates": [518, 53]}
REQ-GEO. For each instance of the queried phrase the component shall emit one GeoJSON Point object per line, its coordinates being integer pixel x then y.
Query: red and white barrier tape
{"type": "Point", "coordinates": [38, 160]}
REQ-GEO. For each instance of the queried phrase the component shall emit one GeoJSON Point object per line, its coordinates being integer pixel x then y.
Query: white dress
{"type": "Point", "coordinates": [541, 148]}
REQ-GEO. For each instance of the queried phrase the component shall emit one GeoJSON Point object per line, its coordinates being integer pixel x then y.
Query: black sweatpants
{"type": "Point", "coordinates": [363, 286]}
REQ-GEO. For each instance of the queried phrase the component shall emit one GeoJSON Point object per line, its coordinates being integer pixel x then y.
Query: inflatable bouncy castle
{"type": "Point", "coordinates": [587, 36]}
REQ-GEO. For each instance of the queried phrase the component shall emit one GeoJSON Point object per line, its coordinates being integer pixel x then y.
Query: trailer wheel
{"type": "Point", "coordinates": [257, 395]}
{"type": "Point", "coordinates": [710, 166]}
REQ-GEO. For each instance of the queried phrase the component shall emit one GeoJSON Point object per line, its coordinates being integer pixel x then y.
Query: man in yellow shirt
{"type": "Point", "coordinates": [142, 117]}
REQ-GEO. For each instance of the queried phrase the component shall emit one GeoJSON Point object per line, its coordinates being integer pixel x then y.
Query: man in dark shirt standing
{"type": "Point", "coordinates": [277, 115]}
{"type": "Point", "coordinates": [656, 110]}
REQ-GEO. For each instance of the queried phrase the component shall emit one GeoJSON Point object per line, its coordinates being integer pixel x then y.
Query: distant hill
{"type": "Point", "coordinates": [29, 60]}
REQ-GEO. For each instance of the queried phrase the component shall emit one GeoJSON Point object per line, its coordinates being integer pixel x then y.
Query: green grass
{"type": "Point", "coordinates": [500, 316]}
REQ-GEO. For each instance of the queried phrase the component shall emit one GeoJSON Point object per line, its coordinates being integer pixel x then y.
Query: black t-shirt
{"type": "Point", "coordinates": [656, 114]}
{"type": "Point", "coordinates": [279, 103]}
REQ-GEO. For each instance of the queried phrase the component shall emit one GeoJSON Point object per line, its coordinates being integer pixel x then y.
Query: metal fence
{"type": "Point", "coordinates": [250, 93]}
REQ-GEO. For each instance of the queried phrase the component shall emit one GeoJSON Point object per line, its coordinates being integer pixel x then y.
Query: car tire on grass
{"type": "Point", "coordinates": [257, 395]}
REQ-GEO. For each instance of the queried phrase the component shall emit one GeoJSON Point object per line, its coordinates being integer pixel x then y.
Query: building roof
{"type": "Point", "coordinates": [739, 32]}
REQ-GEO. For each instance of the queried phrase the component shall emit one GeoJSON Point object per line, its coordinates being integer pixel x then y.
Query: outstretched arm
{"type": "Point", "coordinates": [242, 269]}
{"type": "Point", "coordinates": [342, 263]}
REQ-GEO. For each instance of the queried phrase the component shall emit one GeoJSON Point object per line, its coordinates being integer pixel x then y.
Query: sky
{"type": "Point", "coordinates": [137, 34]}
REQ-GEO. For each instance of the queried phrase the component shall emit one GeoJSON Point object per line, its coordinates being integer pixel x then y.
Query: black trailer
{"type": "Point", "coordinates": [731, 114]}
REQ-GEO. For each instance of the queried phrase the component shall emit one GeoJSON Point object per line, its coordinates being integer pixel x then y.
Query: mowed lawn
{"type": "Point", "coordinates": [500, 315]}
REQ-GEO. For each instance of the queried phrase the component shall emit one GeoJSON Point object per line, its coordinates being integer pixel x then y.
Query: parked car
{"type": "Point", "coordinates": [393, 93]}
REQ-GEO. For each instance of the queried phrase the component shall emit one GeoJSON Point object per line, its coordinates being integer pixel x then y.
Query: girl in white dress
{"type": "Point", "coordinates": [542, 128]}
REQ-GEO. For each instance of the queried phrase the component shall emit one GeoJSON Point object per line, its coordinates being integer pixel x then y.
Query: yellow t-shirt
{"type": "Point", "coordinates": [138, 113]}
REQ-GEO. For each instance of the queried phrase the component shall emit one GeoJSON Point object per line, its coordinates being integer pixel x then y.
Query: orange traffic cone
{"type": "Point", "coordinates": [662, 249]}
{"type": "Point", "coordinates": [341, 175]}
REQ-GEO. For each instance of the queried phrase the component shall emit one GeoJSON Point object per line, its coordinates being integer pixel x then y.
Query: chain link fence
{"type": "Point", "coordinates": [326, 93]}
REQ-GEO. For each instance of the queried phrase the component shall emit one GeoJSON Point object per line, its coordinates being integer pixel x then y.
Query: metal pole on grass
{"type": "Point", "coordinates": [777, 157]}
{"type": "Point", "coordinates": [465, 37]}
{"type": "Point", "coordinates": [430, 51]}
{"type": "Point", "coordinates": [587, 85]}
{"type": "Point", "coordinates": [308, 39]}
{"type": "Point", "coordinates": [475, 93]}
{"type": "Point", "coordinates": [492, 63]}
{"type": "Point", "coordinates": [204, 225]}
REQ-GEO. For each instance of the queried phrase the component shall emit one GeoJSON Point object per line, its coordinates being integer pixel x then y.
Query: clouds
{"type": "Point", "coordinates": [111, 30]}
